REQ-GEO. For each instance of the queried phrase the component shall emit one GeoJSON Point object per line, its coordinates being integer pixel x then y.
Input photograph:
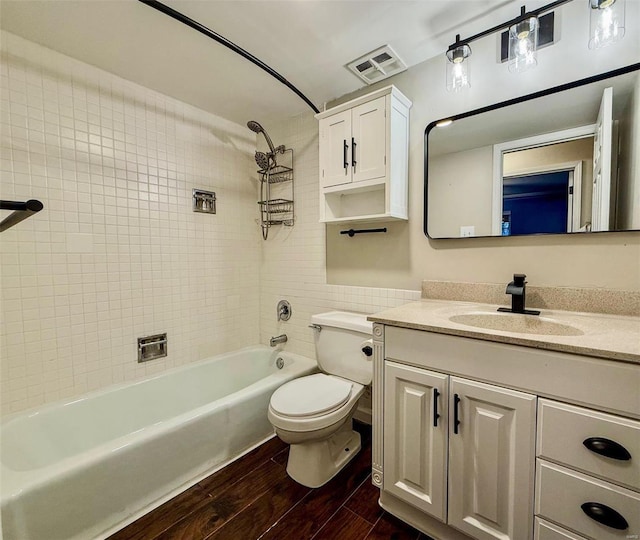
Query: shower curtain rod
{"type": "Point", "coordinates": [224, 41]}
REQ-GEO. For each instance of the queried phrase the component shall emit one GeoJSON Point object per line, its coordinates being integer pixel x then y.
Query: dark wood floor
{"type": "Point", "coordinates": [254, 498]}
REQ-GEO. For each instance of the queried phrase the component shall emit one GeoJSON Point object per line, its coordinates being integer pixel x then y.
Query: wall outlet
{"type": "Point", "coordinates": [468, 230]}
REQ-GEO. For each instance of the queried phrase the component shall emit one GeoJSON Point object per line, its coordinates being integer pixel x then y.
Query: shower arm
{"type": "Point", "coordinates": [229, 44]}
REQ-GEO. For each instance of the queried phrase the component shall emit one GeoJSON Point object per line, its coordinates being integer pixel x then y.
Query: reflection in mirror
{"type": "Point", "coordinates": [567, 161]}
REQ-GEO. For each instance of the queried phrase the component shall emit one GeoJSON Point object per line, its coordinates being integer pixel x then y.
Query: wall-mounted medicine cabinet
{"type": "Point", "coordinates": [364, 157]}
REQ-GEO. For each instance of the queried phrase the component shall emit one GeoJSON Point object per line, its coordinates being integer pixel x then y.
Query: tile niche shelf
{"type": "Point", "coordinates": [364, 145]}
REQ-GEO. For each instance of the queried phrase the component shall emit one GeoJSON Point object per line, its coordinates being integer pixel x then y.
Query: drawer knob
{"type": "Point", "coordinates": [607, 448]}
{"type": "Point", "coordinates": [605, 515]}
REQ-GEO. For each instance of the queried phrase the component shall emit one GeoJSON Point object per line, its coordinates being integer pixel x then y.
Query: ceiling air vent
{"type": "Point", "coordinates": [377, 65]}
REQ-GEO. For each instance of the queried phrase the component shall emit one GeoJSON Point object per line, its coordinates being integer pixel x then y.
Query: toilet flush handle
{"type": "Point", "coordinates": [367, 347]}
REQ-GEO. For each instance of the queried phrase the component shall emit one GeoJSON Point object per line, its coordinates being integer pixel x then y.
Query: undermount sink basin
{"type": "Point", "coordinates": [517, 323]}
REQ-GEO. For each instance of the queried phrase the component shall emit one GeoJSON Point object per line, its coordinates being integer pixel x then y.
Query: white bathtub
{"type": "Point", "coordinates": [80, 469]}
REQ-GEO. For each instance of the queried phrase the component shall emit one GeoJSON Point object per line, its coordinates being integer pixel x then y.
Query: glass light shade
{"type": "Point", "coordinates": [606, 22]}
{"type": "Point", "coordinates": [458, 72]}
{"type": "Point", "coordinates": [523, 45]}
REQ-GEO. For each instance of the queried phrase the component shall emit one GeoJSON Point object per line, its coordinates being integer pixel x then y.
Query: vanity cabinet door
{"type": "Point", "coordinates": [415, 437]}
{"type": "Point", "coordinates": [491, 460]}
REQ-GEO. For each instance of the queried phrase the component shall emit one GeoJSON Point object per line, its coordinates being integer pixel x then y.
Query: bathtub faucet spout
{"type": "Point", "coordinates": [277, 340]}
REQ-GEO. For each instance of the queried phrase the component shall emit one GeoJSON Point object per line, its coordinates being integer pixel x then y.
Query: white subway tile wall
{"type": "Point", "coordinates": [117, 252]}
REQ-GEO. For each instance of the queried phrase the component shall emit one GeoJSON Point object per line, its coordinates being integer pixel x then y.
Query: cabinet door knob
{"type": "Point", "coordinates": [456, 419]}
{"type": "Point", "coordinates": [605, 514]}
{"type": "Point", "coordinates": [607, 448]}
{"type": "Point", "coordinates": [435, 407]}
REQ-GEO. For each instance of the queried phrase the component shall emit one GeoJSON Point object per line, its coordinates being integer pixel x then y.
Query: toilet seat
{"type": "Point", "coordinates": [310, 396]}
{"type": "Point", "coordinates": [336, 406]}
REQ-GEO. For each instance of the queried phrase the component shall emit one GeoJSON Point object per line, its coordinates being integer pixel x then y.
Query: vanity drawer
{"type": "Point", "coordinates": [563, 430]}
{"type": "Point", "coordinates": [548, 531]}
{"type": "Point", "coordinates": [561, 493]}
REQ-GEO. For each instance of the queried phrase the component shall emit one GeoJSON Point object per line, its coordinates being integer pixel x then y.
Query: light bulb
{"type": "Point", "coordinates": [606, 22]}
{"type": "Point", "coordinates": [458, 73]}
{"type": "Point", "coordinates": [523, 45]}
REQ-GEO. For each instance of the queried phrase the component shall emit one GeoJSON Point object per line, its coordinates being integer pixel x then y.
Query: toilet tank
{"type": "Point", "coordinates": [339, 345]}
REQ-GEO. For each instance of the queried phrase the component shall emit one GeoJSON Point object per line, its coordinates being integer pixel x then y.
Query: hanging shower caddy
{"type": "Point", "coordinates": [276, 193]}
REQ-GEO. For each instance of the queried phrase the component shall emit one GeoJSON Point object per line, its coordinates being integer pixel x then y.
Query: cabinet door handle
{"type": "Point", "coordinates": [607, 448]}
{"type": "Point", "coordinates": [435, 407]}
{"type": "Point", "coordinates": [344, 156]}
{"type": "Point", "coordinates": [353, 154]}
{"type": "Point", "coordinates": [456, 419]}
{"type": "Point", "coordinates": [605, 514]}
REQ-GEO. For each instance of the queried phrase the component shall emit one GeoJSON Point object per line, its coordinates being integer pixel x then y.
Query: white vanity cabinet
{"type": "Point", "coordinates": [485, 440]}
{"type": "Point", "coordinates": [363, 155]}
{"type": "Point", "coordinates": [475, 438]}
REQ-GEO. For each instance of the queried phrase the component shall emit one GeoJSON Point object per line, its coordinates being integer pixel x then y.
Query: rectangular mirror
{"type": "Point", "coordinates": [564, 160]}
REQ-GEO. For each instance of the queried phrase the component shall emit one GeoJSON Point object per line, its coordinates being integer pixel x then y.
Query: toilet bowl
{"type": "Point", "coordinates": [314, 413]}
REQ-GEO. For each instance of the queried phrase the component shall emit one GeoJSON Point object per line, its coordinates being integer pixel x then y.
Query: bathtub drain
{"type": "Point", "coordinates": [279, 362]}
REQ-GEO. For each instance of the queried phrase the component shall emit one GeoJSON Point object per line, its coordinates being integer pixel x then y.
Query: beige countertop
{"type": "Point", "coordinates": [613, 337]}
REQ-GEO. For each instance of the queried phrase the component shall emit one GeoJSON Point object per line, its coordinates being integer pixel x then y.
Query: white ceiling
{"type": "Point", "coordinates": [307, 41]}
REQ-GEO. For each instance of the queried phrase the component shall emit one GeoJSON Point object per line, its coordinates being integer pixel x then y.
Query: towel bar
{"type": "Point", "coordinates": [21, 210]}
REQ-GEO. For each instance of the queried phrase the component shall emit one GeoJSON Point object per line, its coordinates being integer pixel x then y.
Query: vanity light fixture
{"type": "Point", "coordinates": [523, 45]}
{"type": "Point", "coordinates": [458, 73]}
{"type": "Point", "coordinates": [606, 22]}
{"type": "Point", "coordinates": [606, 26]}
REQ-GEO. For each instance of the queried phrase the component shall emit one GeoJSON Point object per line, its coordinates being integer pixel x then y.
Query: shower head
{"type": "Point", "coordinates": [262, 160]}
{"type": "Point", "coordinates": [255, 126]}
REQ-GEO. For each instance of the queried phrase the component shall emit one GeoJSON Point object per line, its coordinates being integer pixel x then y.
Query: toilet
{"type": "Point", "coordinates": [313, 414]}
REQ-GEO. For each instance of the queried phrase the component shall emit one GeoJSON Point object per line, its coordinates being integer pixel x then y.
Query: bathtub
{"type": "Point", "coordinates": [85, 467]}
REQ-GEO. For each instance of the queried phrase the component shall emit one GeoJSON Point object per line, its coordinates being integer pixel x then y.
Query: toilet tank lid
{"type": "Point", "coordinates": [344, 319]}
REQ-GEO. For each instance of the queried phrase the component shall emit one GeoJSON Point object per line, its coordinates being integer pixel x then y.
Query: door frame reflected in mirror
{"type": "Point", "coordinates": [528, 143]}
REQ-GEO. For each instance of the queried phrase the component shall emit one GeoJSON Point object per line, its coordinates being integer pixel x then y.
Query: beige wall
{"type": "Point", "coordinates": [628, 211]}
{"type": "Point", "coordinates": [460, 192]}
{"type": "Point", "coordinates": [524, 161]}
{"type": "Point", "coordinates": [610, 260]}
